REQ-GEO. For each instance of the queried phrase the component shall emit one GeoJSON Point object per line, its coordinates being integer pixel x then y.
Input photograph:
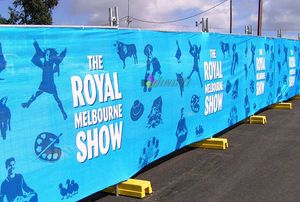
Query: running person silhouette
{"type": "Point", "coordinates": [285, 50]}
{"type": "Point", "coordinates": [182, 131]}
{"type": "Point", "coordinates": [195, 52]}
{"type": "Point", "coordinates": [48, 61]}
{"type": "Point", "coordinates": [235, 59]}
{"type": "Point", "coordinates": [252, 56]}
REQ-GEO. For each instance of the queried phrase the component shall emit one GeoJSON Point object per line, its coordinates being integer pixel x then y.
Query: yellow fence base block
{"type": "Point", "coordinates": [297, 97]}
{"type": "Point", "coordinates": [212, 143]}
{"type": "Point", "coordinates": [282, 105]}
{"type": "Point", "coordinates": [132, 188]}
{"type": "Point", "coordinates": [257, 119]}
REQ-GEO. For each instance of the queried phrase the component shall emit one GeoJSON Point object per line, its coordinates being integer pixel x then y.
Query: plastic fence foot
{"type": "Point", "coordinates": [256, 120]}
{"type": "Point", "coordinates": [297, 97]}
{"type": "Point", "coordinates": [212, 143]}
{"type": "Point", "coordinates": [282, 105]}
{"type": "Point", "coordinates": [132, 188]}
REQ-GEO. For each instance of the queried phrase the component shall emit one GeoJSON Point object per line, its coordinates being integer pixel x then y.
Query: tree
{"type": "Point", "coordinates": [3, 20]}
{"type": "Point", "coordinates": [37, 12]}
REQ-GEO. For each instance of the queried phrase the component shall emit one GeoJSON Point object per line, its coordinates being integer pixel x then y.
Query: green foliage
{"type": "Point", "coordinates": [3, 20]}
{"type": "Point", "coordinates": [38, 12]}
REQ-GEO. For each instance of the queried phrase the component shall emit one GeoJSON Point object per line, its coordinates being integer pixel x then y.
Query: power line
{"type": "Point", "coordinates": [283, 29]}
{"type": "Point", "coordinates": [180, 19]}
{"type": "Point", "coordinates": [124, 17]}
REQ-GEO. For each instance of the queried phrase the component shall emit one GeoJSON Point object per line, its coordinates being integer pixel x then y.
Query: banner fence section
{"type": "Point", "coordinates": [83, 109]}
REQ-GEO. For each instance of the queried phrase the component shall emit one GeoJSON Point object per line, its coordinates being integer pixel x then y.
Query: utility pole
{"type": "Point", "coordinates": [248, 29]}
{"type": "Point", "coordinates": [230, 31]}
{"type": "Point", "coordinates": [204, 23]}
{"type": "Point", "coordinates": [113, 19]}
{"type": "Point", "coordinates": [110, 17]}
{"type": "Point", "coordinates": [197, 24]}
{"type": "Point", "coordinates": [259, 23]}
{"type": "Point", "coordinates": [279, 33]}
{"type": "Point", "coordinates": [128, 18]}
{"type": "Point", "coordinates": [116, 19]}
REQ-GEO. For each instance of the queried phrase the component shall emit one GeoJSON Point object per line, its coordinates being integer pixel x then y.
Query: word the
{"type": "Point", "coordinates": [95, 62]}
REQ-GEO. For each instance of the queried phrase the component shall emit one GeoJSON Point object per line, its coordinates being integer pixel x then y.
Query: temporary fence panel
{"type": "Point", "coordinates": [86, 108]}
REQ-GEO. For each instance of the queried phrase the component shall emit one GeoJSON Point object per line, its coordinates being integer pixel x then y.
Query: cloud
{"type": "Point", "coordinates": [276, 13]}
{"type": "Point", "coordinates": [245, 13]}
{"type": "Point", "coordinates": [155, 10]}
{"type": "Point", "coordinates": [281, 14]}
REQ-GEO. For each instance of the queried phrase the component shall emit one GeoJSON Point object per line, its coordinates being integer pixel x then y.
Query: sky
{"type": "Point", "coordinates": [277, 14]}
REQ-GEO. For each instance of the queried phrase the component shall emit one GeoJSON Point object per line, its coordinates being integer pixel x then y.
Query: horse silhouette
{"type": "Point", "coordinates": [126, 50]}
{"type": "Point", "coordinates": [225, 48]}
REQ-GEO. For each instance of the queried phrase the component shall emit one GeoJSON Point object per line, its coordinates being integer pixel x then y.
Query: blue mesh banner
{"type": "Point", "coordinates": [85, 108]}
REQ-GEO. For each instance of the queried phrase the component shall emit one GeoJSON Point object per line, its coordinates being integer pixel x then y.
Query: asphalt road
{"type": "Point", "coordinates": [262, 163]}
